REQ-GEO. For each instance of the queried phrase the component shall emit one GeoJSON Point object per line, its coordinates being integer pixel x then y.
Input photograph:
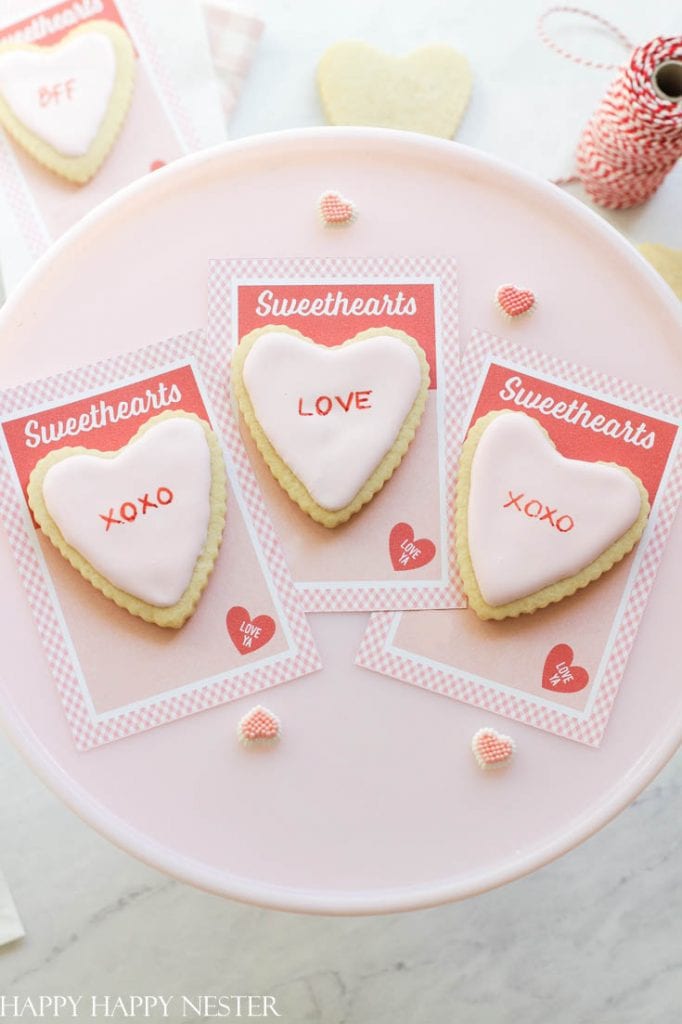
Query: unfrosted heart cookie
{"type": "Point", "coordinates": [533, 526]}
{"type": "Point", "coordinates": [668, 263]}
{"type": "Point", "coordinates": [142, 524]}
{"type": "Point", "coordinates": [65, 104]}
{"type": "Point", "coordinates": [331, 422]}
{"type": "Point", "coordinates": [427, 91]}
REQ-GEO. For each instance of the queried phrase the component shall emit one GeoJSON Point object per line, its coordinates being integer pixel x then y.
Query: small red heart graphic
{"type": "Point", "coordinates": [514, 301]}
{"type": "Point", "coordinates": [406, 552]}
{"type": "Point", "coordinates": [492, 749]}
{"type": "Point", "coordinates": [156, 165]}
{"type": "Point", "coordinates": [560, 674]}
{"type": "Point", "coordinates": [336, 210]}
{"type": "Point", "coordinates": [248, 634]}
{"type": "Point", "coordinates": [258, 724]}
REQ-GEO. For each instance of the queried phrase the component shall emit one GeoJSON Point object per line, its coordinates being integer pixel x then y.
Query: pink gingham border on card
{"type": "Point", "coordinates": [105, 375]}
{"type": "Point", "coordinates": [375, 651]}
{"type": "Point", "coordinates": [324, 597]}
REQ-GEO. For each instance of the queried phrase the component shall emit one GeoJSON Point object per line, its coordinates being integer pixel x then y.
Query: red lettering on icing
{"type": "Point", "coordinates": [535, 509]}
{"type": "Point", "coordinates": [57, 93]}
{"type": "Point", "coordinates": [514, 500]}
{"type": "Point", "coordinates": [109, 519]}
{"type": "Point", "coordinates": [534, 503]}
{"type": "Point", "coordinates": [146, 502]}
{"type": "Point", "coordinates": [549, 513]}
{"type": "Point", "coordinates": [129, 510]}
{"type": "Point", "coordinates": [324, 404]}
{"type": "Point", "coordinates": [347, 404]}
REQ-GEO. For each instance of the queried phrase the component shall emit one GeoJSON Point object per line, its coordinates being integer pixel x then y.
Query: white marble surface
{"type": "Point", "coordinates": [593, 938]}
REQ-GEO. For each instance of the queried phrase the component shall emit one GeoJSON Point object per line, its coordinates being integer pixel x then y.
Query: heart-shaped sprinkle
{"type": "Point", "coordinates": [249, 634]}
{"type": "Point", "coordinates": [258, 725]}
{"type": "Point", "coordinates": [514, 301]}
{"type": "Point", "coordinates": [335, 210]}
{"type": "Point", "coordinates": [491, 749]}
{"type": "Point", "coordinates": [406, 552]}
{"type": "Point", "coordinates": [560, 674]}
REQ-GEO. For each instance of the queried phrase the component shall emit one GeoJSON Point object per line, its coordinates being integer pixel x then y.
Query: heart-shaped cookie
{"type": "Point", "coordinates": [142, 524]}
{"type": "Point", "coordinates": [332, 422]}
{"type": "Point", "coordinates": [427, 91]}
{"type": "Point", "coordinates": [65, 104]}
{"type": "Point", "coordinates": [492, 749]}
{"type": "Point", "coordinates": [533, 526]}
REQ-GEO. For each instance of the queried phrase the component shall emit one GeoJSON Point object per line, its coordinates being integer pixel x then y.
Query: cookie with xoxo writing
{"type": "Point", "coordinates": [142, 524]}
{"type": "Point", "coordinates": [533, 526]}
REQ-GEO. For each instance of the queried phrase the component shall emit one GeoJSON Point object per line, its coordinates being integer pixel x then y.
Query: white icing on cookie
{"type": "Point", "coordinates": [331, 413]}
{"type": "Point", "coordinates": [535, 517]}
{"type": "Point", "coordinates": [141, 517]}
{"type": "Point", "coordinates": [61, 94]}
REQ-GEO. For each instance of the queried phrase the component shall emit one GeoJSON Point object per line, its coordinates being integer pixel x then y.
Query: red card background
{"type": "Point", "coordinates": [333, 330]}
{"type": "Point", "coordinates": [578, 442]}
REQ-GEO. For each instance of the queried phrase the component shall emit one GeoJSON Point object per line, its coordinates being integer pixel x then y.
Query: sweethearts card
{"type": "Point", "coordinates": [345, 374]}
{"type": "Point", "coordinates": [150, 517]}
{"type": "Point", "coordinates": [560, 667]}
{"type": "Point", "coordinates": [88, 103]}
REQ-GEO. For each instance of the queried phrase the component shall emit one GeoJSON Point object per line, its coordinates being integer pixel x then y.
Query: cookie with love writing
{"type": "Point", "coordinates": [332, 422]}
{"type": "Point", "coordinates": [533, 526]}
{"type": "Point", "coordinates": [66, 104]}
{"type": "Point", "coordinates": [426, 91]}
{"type": "Point", "coordinates": [142, 524]}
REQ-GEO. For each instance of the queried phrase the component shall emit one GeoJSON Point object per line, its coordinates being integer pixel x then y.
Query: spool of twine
{"type": "Point", "coordinates": [634, 138]}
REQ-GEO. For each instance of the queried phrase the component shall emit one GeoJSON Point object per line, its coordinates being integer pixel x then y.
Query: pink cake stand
{"type": "Point", "coordinates": [369, 804]}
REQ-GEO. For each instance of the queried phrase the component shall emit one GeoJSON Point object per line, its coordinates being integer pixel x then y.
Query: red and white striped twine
{"type": "Point", "coordinates": [634, 138]}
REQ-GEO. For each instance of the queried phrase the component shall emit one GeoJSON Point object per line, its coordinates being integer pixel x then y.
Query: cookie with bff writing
{"type": "Point", "coordinates": [65, 104]}
{"type": "Point", "coordinates": [533, 526]}
{"type": "Point", "coordinates": [143, 524]}
{"type": "Point", "coordinates": [334, 422]}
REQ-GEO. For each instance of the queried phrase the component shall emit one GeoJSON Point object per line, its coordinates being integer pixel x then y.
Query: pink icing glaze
{"type": "Point", "coordinates": [332, 414]}
{"type": "Point", "coordinates": [148, 548]}
{"type": "Point", "coordinates": [61, 94]}
{"type": "Point", "coordinates": [569, 511]}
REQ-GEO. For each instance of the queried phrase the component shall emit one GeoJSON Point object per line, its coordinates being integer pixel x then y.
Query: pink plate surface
{"type": "Point", "coordinates": [372, 802]}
